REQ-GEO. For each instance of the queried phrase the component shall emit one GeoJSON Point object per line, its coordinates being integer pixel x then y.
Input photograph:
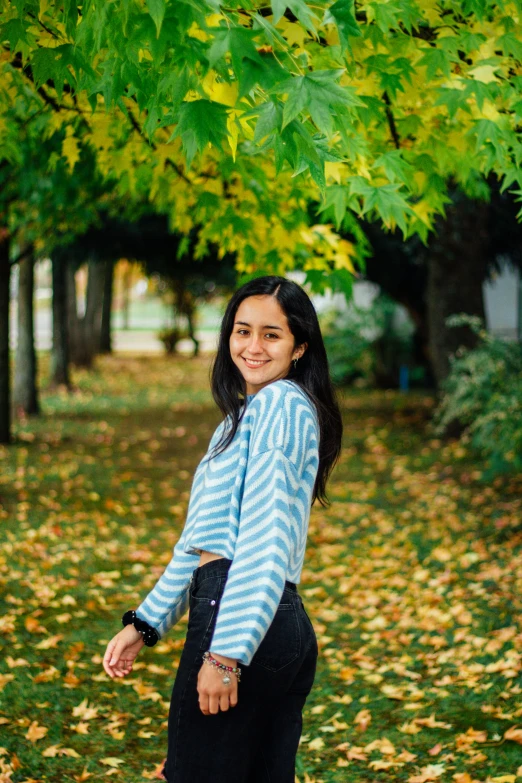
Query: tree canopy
{"type": "Point", "coordinates": [235, 117]}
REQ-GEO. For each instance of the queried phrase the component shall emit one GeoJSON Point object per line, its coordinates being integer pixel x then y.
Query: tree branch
{"type": "Point", "coordinates": [391, 120]}
{"type": "Point", "coordinates": [137, 127]}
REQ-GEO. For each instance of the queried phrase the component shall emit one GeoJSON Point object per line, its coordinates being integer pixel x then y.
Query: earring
{"type": "Point", "coordinates": [295, 364]}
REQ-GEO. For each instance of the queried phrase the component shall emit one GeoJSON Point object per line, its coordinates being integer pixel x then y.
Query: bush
{"type": "Point", "coordinates": [364, 345]}
{"type": "Point", "coordinates": [483, 392]}
{"type": "Point", "coordinates": [169, 336]}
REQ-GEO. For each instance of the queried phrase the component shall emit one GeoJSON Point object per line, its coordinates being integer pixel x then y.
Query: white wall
{"type": "Point", "coordinates": [501, 298]}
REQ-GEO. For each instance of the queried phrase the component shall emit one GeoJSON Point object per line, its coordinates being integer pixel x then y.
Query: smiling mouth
{"type": "Point", "coordinates": [252, 364]}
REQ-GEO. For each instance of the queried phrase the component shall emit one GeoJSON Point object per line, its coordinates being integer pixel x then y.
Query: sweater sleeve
{"type": "Point", "coordinates": [256, 578]}
{"type": "Point", "coordinates": [168, 600]}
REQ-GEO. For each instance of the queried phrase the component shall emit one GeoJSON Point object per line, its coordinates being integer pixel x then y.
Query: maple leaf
{"type": "Point", "coordinates": [82, 710]}
{"type": "Point", "coordinates": [430, 772]}
{"type": "Point", "coordinates": [111, 761]}
{"type": "Point", "coordinates": [36, 732]}
{"type": "Point", "coordinates": [514, 734]}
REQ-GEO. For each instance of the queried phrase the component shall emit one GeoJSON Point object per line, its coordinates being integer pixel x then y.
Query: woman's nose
{"type": "Point", "coordinates": [255, 345]}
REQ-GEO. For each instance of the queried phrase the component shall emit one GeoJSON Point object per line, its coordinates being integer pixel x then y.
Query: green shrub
{"type": "Point", "coordinates": [484, 393]}
{"type": "Point", "coordinates": [363, 344]}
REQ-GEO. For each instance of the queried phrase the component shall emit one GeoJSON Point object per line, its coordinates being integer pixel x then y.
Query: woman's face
{"type": "Point", "coordinates": [261, 334]}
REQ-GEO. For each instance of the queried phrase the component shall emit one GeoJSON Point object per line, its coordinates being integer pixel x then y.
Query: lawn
{"type": "Point", "coordinates": [413, 581]}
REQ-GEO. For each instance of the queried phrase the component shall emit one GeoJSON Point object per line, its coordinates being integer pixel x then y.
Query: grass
{"type": "Point", "coordinates": [412, 580]}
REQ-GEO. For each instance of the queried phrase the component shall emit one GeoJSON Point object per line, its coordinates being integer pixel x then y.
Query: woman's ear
{"type": "Point", "coordinates": [303, 348]}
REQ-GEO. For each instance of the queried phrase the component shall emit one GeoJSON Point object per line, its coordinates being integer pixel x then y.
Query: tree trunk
{"type": "Point", "coordinates": [60, 352]}
{"type": "Point", "coordinates": [79, 350]}
{"type": "Point", "coordinates": [5, 397]}
{"type": "Point", "coordinates": [94, 305]}
{"type": "Point", "coordinates": [456, 270]}
{"type": "Point", "coordinates": [105, 334]}
{"type": "Point", "coordinates": [25, 382]}
{"type": "Point", "coordinates": [126, 283]}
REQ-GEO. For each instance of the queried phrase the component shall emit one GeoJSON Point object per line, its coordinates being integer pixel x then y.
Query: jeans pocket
{"type": "Point", "coordinates": [203, 607]}
{"type": "Point", "coordinates": [282, 642]}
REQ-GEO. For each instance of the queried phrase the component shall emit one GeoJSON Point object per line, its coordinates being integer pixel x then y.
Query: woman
{"type": "Point", "coordinates": [250, 653]}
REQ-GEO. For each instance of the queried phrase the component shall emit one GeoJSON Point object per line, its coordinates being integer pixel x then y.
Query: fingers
{"type": "Point", "coordinates": [214, 694]}
{"type": "Point", "coordinates": [113, 664]}
{"type": "Point", "coordinates": [108, 656]}
{"type": "Point", "coordinates": [211, 702]}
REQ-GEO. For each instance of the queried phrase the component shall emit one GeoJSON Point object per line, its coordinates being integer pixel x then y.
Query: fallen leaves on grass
{"type": "Point", "coordinates": [411, 578]}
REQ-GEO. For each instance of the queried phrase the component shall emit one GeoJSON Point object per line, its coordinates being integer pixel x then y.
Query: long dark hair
{"type": "Point", "coordinates": [311, 374]}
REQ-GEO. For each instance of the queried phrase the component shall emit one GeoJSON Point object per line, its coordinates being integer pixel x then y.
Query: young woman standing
{"type": "Point", "coordinates": [250, 653]}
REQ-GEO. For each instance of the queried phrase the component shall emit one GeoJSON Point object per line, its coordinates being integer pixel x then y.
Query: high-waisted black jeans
{"type": "Point", "coordinates": [257, 740]}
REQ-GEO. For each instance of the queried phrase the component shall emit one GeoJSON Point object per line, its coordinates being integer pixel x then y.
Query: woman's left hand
{"type": "Point", "coordinates": [214, 694]}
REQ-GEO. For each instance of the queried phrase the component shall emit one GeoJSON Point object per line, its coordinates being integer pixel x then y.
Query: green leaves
{"type": "Point", "coordinates": [54, 64]}
{"type": "Point", "coordinates": [157, 10]}
{"type": "Point", "coordinates": [200, 123]}
{"type": "Point", "coordinates": [319, 94]}
{"type": "Point", "coordinates": [342, 13]}
{"type": "Point", "coordinates": [239, 42]}
{"type": "Point", "coordinates": [386, 200]}
{"type": "Point", "coordinates": [405, 94]}
{"type": "Point", "coordinates": [299, 9]}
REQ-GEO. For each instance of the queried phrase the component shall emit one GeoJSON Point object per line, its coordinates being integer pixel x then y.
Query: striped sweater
{"type": "Point", "coordinates": [250, 504]}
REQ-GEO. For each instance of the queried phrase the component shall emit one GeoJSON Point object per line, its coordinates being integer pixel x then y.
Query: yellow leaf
{"type": "Point", "coordinates": [233, 132]}
{"type": "Point", "coordinates": [393, 692]}
{"type": "Point", "coordinates": [382, 764]}
{"type": "Point", "coordinates": [51, 641]}
{"type": "Point", "coordinates": [294, 33]}
{"type": "Point", "coordinates": [363, 718]}
{"type": "Point", "coordinates": [514, 734]}
{"type": "Point", "coordinates": [316, 744]}
{"type": "Point", "coordinates": [35, 732]}
{"type": "Point", "coordinates": [51, 751]}
{"type": "Point", "coordinates": [489, 111]}
{"type": "Point", "coordinates": [334, 170]}
{"type": "Point", "coordinates": [4, 679]}
{"type": "Point", "coordinates": [504, 779]}
{"type": "Point", "coordinates": [423, 212]}
{"type": "Point", "coordinates": [85, 712]}
{"type": "Point", "coordinates": [221, 92]}
{"type": "Point", "coordinates": [484, 73]}
{"type": "Point", "coordinates": [110, 761]}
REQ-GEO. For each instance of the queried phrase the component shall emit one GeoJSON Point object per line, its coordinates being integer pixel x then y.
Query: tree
{"type": "Point", "coordinates": [235, 116]}
{"type": "Point", "coordinates": [5, 369]}
{"type": "Point", "coordinates": [25, 385]}
{"type": "Point", "coordinates": [60, 350]}
{"type": "Point", "coordinates": [447, 276]}
{"type": "Point", "coordinates": [234, 119]}
{"type": "Point", "coordinates": [179, 260]}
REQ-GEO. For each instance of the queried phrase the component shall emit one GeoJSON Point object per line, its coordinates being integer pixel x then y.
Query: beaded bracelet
{"type": "Point", "coordinates": [208, 658]}
{"type": "Point", "coordinates": [149, 634]}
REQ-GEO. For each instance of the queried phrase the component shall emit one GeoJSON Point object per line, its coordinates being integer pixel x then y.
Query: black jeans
{"type": "Point", "coordinates": [257, 740]}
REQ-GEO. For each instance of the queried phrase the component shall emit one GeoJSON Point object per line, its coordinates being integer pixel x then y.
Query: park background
{"type": "Point", "coordinates": [155, 155]}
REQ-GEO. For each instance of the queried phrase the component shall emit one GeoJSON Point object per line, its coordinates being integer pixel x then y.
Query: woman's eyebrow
{"type": "Point", "coordinates": [267, 326]}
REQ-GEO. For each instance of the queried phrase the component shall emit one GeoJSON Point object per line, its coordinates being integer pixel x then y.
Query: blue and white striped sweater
{"type": "Point", "coordinates": [250, 504]}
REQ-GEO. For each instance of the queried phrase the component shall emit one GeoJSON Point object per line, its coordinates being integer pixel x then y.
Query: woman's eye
{"type": "Point", "coordinates": [268, 334]}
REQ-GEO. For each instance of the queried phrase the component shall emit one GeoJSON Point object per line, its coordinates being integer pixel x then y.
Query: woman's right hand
{"type": "Point", "coordinates": [121, 651]}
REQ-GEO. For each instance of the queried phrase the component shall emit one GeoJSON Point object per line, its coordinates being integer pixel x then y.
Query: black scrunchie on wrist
{"type": "Point", "coordinates": [149, 634]}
